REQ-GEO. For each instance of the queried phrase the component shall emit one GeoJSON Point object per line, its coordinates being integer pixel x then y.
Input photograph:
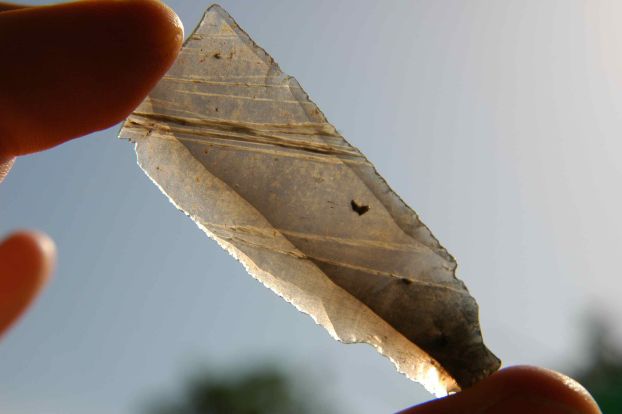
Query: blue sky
{"type": "Point", "coordinates": [498, 122]}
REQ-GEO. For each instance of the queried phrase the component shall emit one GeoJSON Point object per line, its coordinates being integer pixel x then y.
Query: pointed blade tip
{"type": "Point", "coordinates": [216, 8]}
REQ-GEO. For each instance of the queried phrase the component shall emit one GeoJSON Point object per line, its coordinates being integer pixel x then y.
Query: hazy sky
{"type": "Point", "coordinates": [497, 121]}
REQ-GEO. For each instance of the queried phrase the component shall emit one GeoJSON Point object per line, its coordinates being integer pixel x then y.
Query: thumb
{"type": "Point", "coordinates": [26, 262]}
{"type": "Point", "coordinates": [516, 390]}
{"type": "Point", "coordinates": [74, 68]}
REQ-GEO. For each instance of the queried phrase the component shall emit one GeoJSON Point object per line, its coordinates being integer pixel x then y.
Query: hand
{"type": "Point", "coordinates": [68, 70]}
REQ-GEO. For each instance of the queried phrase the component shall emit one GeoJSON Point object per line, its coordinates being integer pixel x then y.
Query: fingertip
{"type": "Point", "coordinates": [516, 390]}
{"type": "Point", "coordinates": [31, 253]}
{"type": "Point", "coordinates": [74, 68]}
{"type": "Point", "coordinates": [27, 260]}
{"type": "Point", "coordinates": [43, 247]}
{"type": "Point", "coordinates": [173, 22]}
{"type": "Point", "coordinates": [546, 386]}
{"type": "Point", "coordinates": [149, 37]}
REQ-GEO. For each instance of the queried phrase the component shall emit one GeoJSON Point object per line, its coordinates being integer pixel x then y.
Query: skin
{"type": "Point", "coordinates": [71, 69]}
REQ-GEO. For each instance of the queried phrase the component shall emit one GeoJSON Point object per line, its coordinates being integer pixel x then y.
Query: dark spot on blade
{"type": "Point", "coordinates": [359, 208]}
{"type": "Point", "coordinates": [217, 55]}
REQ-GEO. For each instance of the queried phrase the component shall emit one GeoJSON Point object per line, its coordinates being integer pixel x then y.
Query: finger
{"type": "Point", "coordinates": [26, 262]}
{"type": "Point", "coordinates": [74, 68]}
{"type": "Point", "coordinates": [9, 6]}
{"type": "Point", "coordinates": [516, 390]}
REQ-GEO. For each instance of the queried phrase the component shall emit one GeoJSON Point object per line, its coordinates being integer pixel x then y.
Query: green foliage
{"type": "Point", "coordinates": [603, 376]}
{"type": "Point", "coordinates": [261, 391]}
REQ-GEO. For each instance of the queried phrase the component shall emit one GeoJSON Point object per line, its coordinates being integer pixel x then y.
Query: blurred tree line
{"type": "Point", "coordinates": [602, 376]}
{"type": "Point", "coordinates": [269, 390]}
{"type": "Point", "coordinates": [257, 391]}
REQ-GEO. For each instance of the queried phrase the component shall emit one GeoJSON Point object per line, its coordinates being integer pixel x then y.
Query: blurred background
{"type": "Point", "coordinates": [498, 122]}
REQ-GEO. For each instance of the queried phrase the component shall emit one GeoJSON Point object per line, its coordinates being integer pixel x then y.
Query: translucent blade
{"type": "Point", "coordinates": [238, 146]}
